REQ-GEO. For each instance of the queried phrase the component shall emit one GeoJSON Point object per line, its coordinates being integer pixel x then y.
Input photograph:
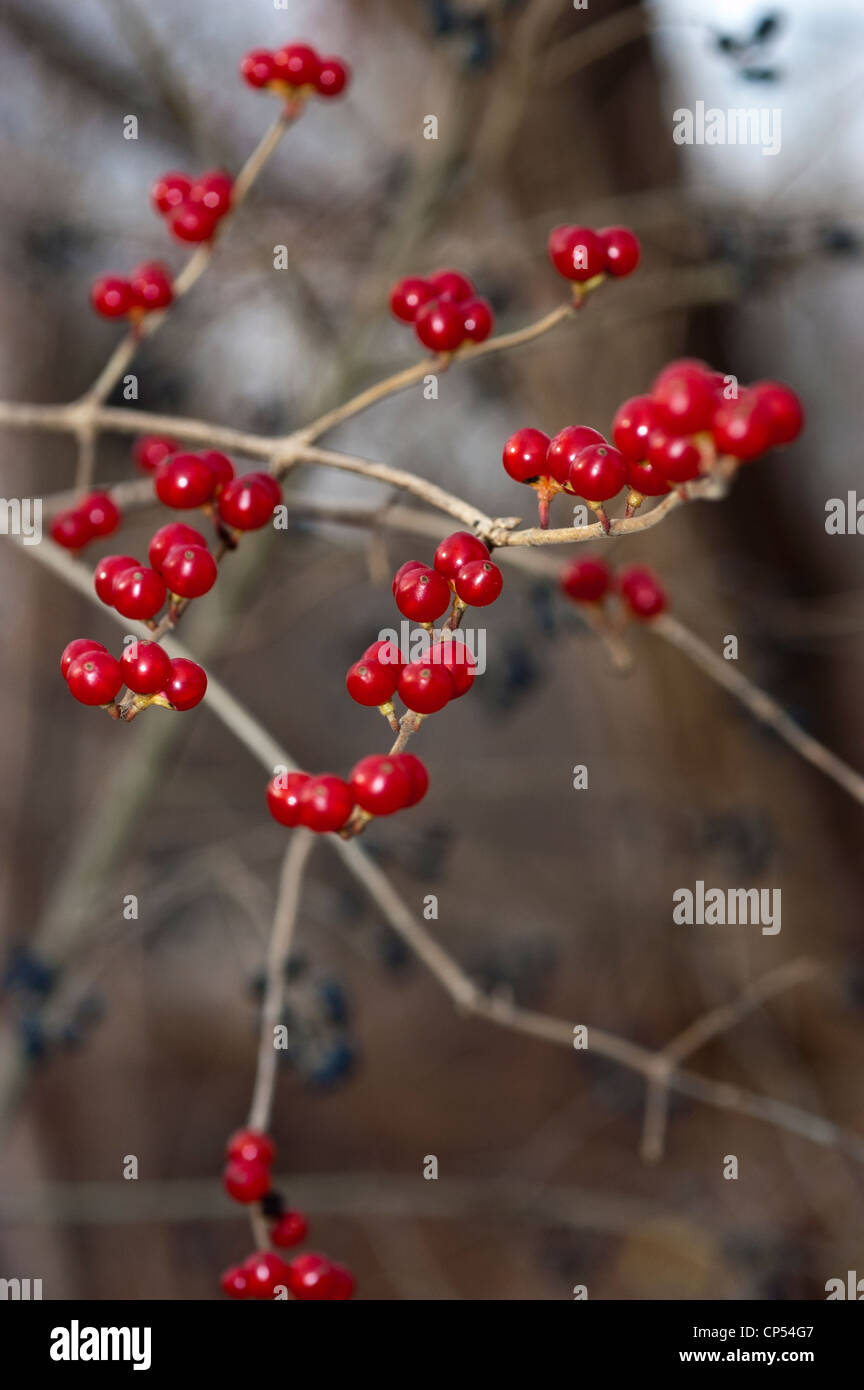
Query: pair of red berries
{"type": "Point", "coordinates": [591, 581]}
{"type": "Point", "coordinates": [306, 1277]}
{"type": "Point", "coordinates": [94, 677]}
{"type": "Point", "coordinates": [444, 309]}
{"type": "Point", "coordinates": [193, 208]}
{"type": "Point", "coordinates": [581, 254]}
{"type": "Point", "coordinates": [146, 290]}
{"type": "Point", "coordinates": [187, 481]}
{"type": "Point", "coordinates": [379, 784]}
{"type": "Point", "coordinates": [578, 460]}
{"type": "Point", "coordinates": [95, 515]}
{"type": "Point", "coordinates": [293, 69]}
{"type": "Point", "coordinates": [461, 566]}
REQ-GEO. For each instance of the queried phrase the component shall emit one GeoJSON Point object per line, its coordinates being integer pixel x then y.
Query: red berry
{"type": "Point", "coordinates": [333, 77]}
{"type": "Point", "coordinates": [456, 551]}
{"type": "Point", "coordinates": [633, 423]}
{"type": "Point", "coordinates": [94, 678]}
{"type": "Point", "coordinates": [371, 682]}
{"type": "Point", "coordinates": [138, 592]}
{"type": "Point", "coordinates": [270, 483]}
{"type": "Point", "coordinates": [380, 785]}
{"type": "Point", "coordinates": [744, 427]}
{"type": "Point", "coordinates": [342, 1283]}
{"type": "Point", "coordinates": [235, 1283]}
{"type": "Point", "coordinates": [418, 777]}
{"type": "Point", "coordinates": [687, 398]}
{"type": "Point", "coordinates": [106, 572]}
{"type": "Point", "coordinates": [251, 1146]}
{"type": "Point", "coordinates": [479, 583]}
{"type": "Point", "coordinates": [213, 189]}
{"type": "Point", "coordinates": [222, 467]}
{"type": "Point", "coordinates": [566, 447]}
{"type": "Point", "coordinates": [151, 450]}
{"type": "Point", "coordinates": [400, 574]}
{"type": "Point", "coordinates": [309, 1277]}
{"type": "Point", "coordinates": [265, 1272]}
{"type": "Point", "coordinates": [71, 529]}
{"type": "Point", "coordinates": [326, 802]}
{"type": "Point", "coordinates": [577, 253]}
{"type": "Point", "coordinates": [425, 687]}
{"type": "Point", "coordinates": [451, 283]}
{"type": "Point", "coordinates": [247, 503]}
{"type": "Point", "coordinates": [784, 407]}
{"type": "Point", "coordinates": [187, 685]}
{"type": "Point", "coordinates": [387, 653]}
{"type": "Point", "coordinates": [246, 1180]}
{"type": "Point", "coordinates": [146, 667]}
{"type": "Point", "coordinates": [439, 325]}
{"type": "Point", "coordinates": [642, 592]}
{"type": "Point", "coordinates": [297, 64]}
{"type": "Point", "coordinates": [621, 248]}
{"type": "Point", "coordinates": [646, 478]}
{"type": "Point", "coordinates": [192, 221]}
{"type": "Point", "coordinates": [185, 481]}
{"type": "Point", "coordinates": [586, 581]}
{"type": "Point", "coordinates": [409, 295]}
{"type": "Point", "coordinates": [151, 287]}
{"type": "Point", "coordinates": [524, 455]}
{"type": "Point", "coordinates": [101, 513]}
{"type": "Point", "coordinates": [189, 570]}
{"type": "Point", "coordinates": [455, 657]}
{"type": "Point", "coordinates": [477, 319]}
{"type": "Point", "coordinates": [598, 473]}
{"type": "Point", "coordinates": [283, 797]}
{"type": "Point", "coordinates": [674, 456]}
{"type": "Point", "coordinates": [111, 297]}
{"type": "Point", "coordinates": [258, 68]}
{"type": "Point", "coordinates": [289, 1229]}
{"type": "Point", "coordinates": [169, 191]}
{"type": "Point", "coordinates": [423, 595]}
{"type": "Point", "coordinates": [78, 647]}
{"type": "Point", "coordinates": [167, 537]}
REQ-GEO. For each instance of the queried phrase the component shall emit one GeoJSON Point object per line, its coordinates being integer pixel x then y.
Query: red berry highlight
{"type": "Point", "coordinates": [283, 797]}
{"type": "Point", "coordinates": [138, 592]}
{"type": "Point", "coordinates": [479, 583]}
{"type": "Point", "coordinates": [187, 684]}
{"type": "Point", "coordinates": [189, 570]}
{"type": "Point", "coordinates": [380, 785]}
{"type": "Point", "coordinates": [326, 802]}
{"type": "Point", "coordinates": [146, 667]}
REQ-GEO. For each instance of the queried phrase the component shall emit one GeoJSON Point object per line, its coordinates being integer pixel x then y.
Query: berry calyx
{"type": "Point", "coordinates": [372, 683]}
{"type": "Point", "coordinates": [138, 592]}
{"type": "Point", "coordinates": [380, 785]}
{"type": "Point", "coordinates": [577, 253]}
{"type": "Point", "coordinates": [456, 551]}
{"type": "Point", "coordinates": [78, 647]}
{"type": "Point", "coordinates": [586, 581]}
{"type": "Point", "coordinates": [439, 325]}
{"type": "Point", "coordinates": [478, 319]}
{"type": "Point", "coordinates": [246, 1180]}
{"type": "Point", "coordinates": [107, 571]}
{"type": "Point", "coordinates": [621, 248]}
{"type": "Point", "coordinates": [425, 687]}
{"type": "Point", "coordinates": [409, 295]}
{"type": "Point", "coordinates": [265, 1272]}
{"type": "Point", "coordinates": [642, 592]}
{"type": "Point", "coordinates": [326, 802]}
{"type": "Point", "coordinates": [94, 678]}
{"type": "Point", "coordinates": [283, 797]}
{"type": "Point", "coordinates": [146, 667]}
{"type": "Point", "coordinates": [310, 1277]}
{"type": "Point", "coordinates": [423, 595]}
{"type": "Point", "coordinates": [187, 684]}
{"type": "Point", "coordinates": [524, 456]}
{"type": "Point", "coordinates": [333, 77]}
{"type": "Point", "coordinates": [189, 570]}
{"type": "Point", "coordinates": [184, 481]}
{"type": "Point", "coordinates": [479, 583]}
{"type": "Point", "coordinates": [111, 297]}
{"type": "Point", "coordinates": [252, 1146]}
{"type": "Point", "coordinates": [247, 503]}
{"type": "Point", "coordinates": [151, 450]}
{"type": "Point", "coordinates": [597, 473]}
{"type": "Point", "coordinates": [167, 537]}
{"type": "Point", "coordinates": [290, 1229]}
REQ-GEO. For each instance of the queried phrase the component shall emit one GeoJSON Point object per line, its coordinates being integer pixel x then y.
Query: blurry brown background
{"type": "Point", "coordinates": [147, 1044]}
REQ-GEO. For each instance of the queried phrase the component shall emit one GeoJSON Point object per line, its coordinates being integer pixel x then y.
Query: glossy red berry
{"type": "Point", "coordinates": [439, 325]}
{"type": "Point", "coordinates": [634, 420]}
{"type": "Point", "coordinates": [112, 297]}
{"type": "Point", "coordinates": [333, 77]}
{"type": "Point", "coordinates": [687, 397]}
{"type": "Point", "coordinates": [425, 687]}
{"type": "Point", "coordinates": [146, 667]}
{"type": "Point", "coordinates": [451, 283]}
{"type": "Point", "coordinates": [402, 571]}
{"type": "Point", "coordinates": [326, 802]}
{"type": "Point", "coordinates": [289, 1229]}
{"type": "Point", "coordinates": [189, 570]}
{"type": "Point", "coordinates": [185, 481]}
{"type": "Point", "coordinates": [309, 1277]}
{"type": "Point", "coordinates": [247, 503]}
{"type": "Point", "coordinates": [187, 684]}
{"type": "Point", "coordinates": [457, 660]}
{"type": "Point", "coordinates": [674, 456]}
{"type": "Point", "coordinates": [138, 592]}
{"type": "Point", "coordinates": [106, 572]}
{"type": "Point", "coordinates": [621, 248]}
{"type": "Point", "coordinates": [743, 427]}
{"type": "Point", "coordinates": [283, 797]}
{"type": "Point", "coordinates": [566, 447]}
{"type": "Point", "coordinates": [297, 64]}
{"type": "Point", "coordinates": [101, 513]}
{"type": "Point", "coordinates": [342, 1284]}
{"type": "Point", "coordinates": [586, 581]}
{"type": "Point", "coordinates": [784, 408]}
{"type": "Point", "coordinates": [477, 319]}
{"type": "Point", "coordinates": [380, 785]}
{"type": "Point", "coordinates": [258, 68]}
{"type": "Point", "coordinates": [252, 1146]}
{"type": "Point", "coordinates": [152, 449]}
{"type": "Point", "coordinates": [235, 1283]}
{"type": "Point", "coordinates": [598, 473]}
{"type": "Point", "coordinates": [71, 529]}
{"type": "Point", "coordinates": [577, 253]}
{"type": "Point", "coordinates": [423, 595]}
{"type": "Point", "coordinates": [265, 1273]}
{"type": "Point", "coordinates": [246, 1180]}
{"type": "Point", "coordinates": [94, 678]}
{"type": "Point", "coordinates": [642, 592]}
{"type": "Point", "coordinates": [151, 287]}
{"type": "Point", "coordinates": [372, 683]}
{"type": "Point", "coordinates": [169, 191]}
{"type": "Point", "coordinates": [646, 478]}
{"type": "Point", "coordinates": [456, 550]}
{"type": "Point", "coordinates": [524, 456]}
{"type": "Point", "coordinates": [167, 537]}
{"type": "Point", "coordinates": [409, 295]}
{"type": "Point", "coordinates": [193, 222]}
{"type": "Point", "coordinates": [222, 468]}
{"type": "Point", "coordinates": [418, 777]}
{"type": "Point", "coordinates": [479, 583]}
{"type": "Point", "coordinates": [214, 190]}
{"type": "Point", "coordinates": [77, 648]}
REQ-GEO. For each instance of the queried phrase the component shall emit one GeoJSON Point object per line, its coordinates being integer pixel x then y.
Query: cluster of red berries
{"type": "Point", "coordinates": [193, 207]}
{"type": "Point", "coordinates": [295, 70]}
{"type": "Point", "coordinates": [578, 460]}
{"type": "Point", "coordinates": [444, 308]}
{"type": "Point", "coordinates": [592, 581]}
{"type": "Point", "coordinates": [380, 785]}
{"type": "Point", "coordinates": [147, 289]}
{"type": "Point", "coordinates": [180, 566]}
{"type": "Point", "coordinates": [580, 254]}
{"type": "Point", "coordinates": [247, 1179]}
{"type": "Point", "coordinates": [95, 515]}
{"type": "Point", "coordinates": [95, 677]}
{"type": "Point", "coordinates": [187, 481]}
